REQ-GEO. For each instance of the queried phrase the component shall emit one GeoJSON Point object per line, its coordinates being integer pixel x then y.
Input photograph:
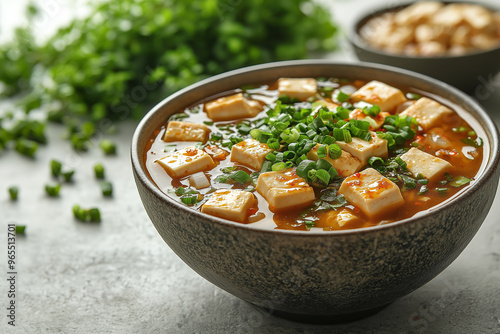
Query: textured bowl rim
{"type": "Point", "coordinates": [356, 39]}
{"type": "Point", "coordinates": [489, 127]}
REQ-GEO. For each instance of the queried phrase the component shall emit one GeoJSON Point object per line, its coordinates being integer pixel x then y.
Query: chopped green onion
{"type": "Point", "coordinates": [106, 188]}
{"type": "Point", "coordinates": [304, 167]}
{"type": "Point", "coordinates": [323, 176]}
{"type": "Point", "coordinates": [459, 181]}
{"type": "Point", "coordinates": [342, 97]}
{"type": "Point", "coordinates": [409, 182]}
{"type": "Point", "coordinates": [375, 161]}
{"type": "Point", "coordinates": [311, 174]}
{"type": "Point", "coordinates": [68, 175]}
{"type": "Point", "coordinates": [327, 140]}
{"type": "Point", "coordinates": [334, 151]}
{"type": "Point", "coordinates": [271, 156]}
{"type": "Point", "coordinates": [289, 155]}
{"type": "Point", "coordinates": [26, 147]}
{"type": "Point", "coordinates": [423, 190]}
{"type": "Point", "coordinates": [323, 164]}
{"type": "Point", "coordinates": [13, 193]}
{"type": "Point", "coordinates": [273, 143]}
{"type": "Point", "coordinates": [401, 163]}
{"type": "Point", "coordinates": [322, 151]}
{"type": "Point", "coordinates": [55, 167]}
{"type": "Point", "coordinates": [412, 96]}
{"type": "Point", "coordinates": [99, 171]}
{"type": "Point", "coordinates": [108, 147]}
{"type": "Point", "coordinates": [266, 166]}
{"type": "Point", "coordinates": [53, 189]}
{"type": "Point", "coordinates": [278, 166]}
{"type": "Point", "coordinates": [333, 173]}
{"type": "Point", "coordinates": [189, 199]}
{"type": "Point", "coordinates": [20, 229]}
{"type": "Point", "coordinates": [308, 224]}
{"type": "Point", "coordinates": [441, 190]}
{"type": "Point", "coordinates": [180, 191]}
{"type": "Point", "coordinates": [473, 142]}
{"type": "Point", "coordinates": [169, 148]}
{"type": "Point", "coordinates": [86, 215]}
{"type": "Point", "coordinates": [240, 176]}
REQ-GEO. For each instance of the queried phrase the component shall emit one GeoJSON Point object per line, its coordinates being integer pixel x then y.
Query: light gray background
{"type": "Point", "coordinates": [119, 277]}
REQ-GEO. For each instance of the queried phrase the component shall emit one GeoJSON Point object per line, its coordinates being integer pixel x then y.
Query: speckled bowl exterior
{"type": "Point", "coordinates": [307, 275]}
{"type": "Point", "coordinates": [473, 73]}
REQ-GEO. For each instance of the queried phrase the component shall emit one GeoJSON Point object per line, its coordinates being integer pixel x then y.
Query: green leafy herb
{"type": "Point", "coordinates": [108, 147]}
{"type": "Point", "coordinates": [86, 215]}
{"type": "Point", "coordinates": [99, 171]}
{"type": "Point", "coordinates": [106, 188]}
{"type": "Point", "coordinates": [13, 193]}
{"type": "Point", "coordinates": [53, 189]}
{"type": "Point", "coordinates": [20, 229]}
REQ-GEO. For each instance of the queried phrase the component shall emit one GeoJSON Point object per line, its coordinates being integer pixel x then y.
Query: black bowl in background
{"type": "Point", "coordinates": [467, 72]}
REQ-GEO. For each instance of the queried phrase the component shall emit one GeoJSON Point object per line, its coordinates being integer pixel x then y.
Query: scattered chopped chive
{"type": "Point", "coordinates": [311, 174]}
{"type": "Point", "coordinates": [459, 181]}
{"type": "Point", "coordinates": [55, 167]}
{"type": "Point", "coordinates": [271, 156]}
{"type": "Point", "coordinates": [401, 163]}
{"type": "Point", "coordinates": [68, 175]}
{"type": "Point", "coordinates": [304, 167]}
{"type": "Point", "coordinates": [208, 123]}
{"type": "Point", "coordinates": [423, 190]}
{"type": "Point", "coordinates": [278, 166]}
{"type": "Point", "coordinates": [94, 215]}
{"type": "Point", "coordinates": [26, 147]}
{"type": "Point", "coordinates": [409, 182]}
{"type": "Point", "coordinates": [412, 96]}
{"type": "Point", "coordinates": [179, 191]}
{"type": "Point", "coordinates": [273, 143]}
{"type": "Point", "coordinates": [323, 164]}
{"type": "Point", "coordinates": [240, 176]}
{"type": "Point", "coordinates": [423, 181]}
{"type": "Point", "coordinates": [106, 188]}
{"type": "Point", "coordinates": [189, 199]}
{"type": "Point", "coordinates": [308, 224]}
{"type": "Point", "coordinates": [108, 147]}
{"type": "Point", "coordinates": [266, 166]}
{"type": "Point", "coordinates": [441, 190]}
{"type": "Point", "coordinates": [334, 151]}
{"type": "Point", "coordinates": [333, 173]}
{"type": "Point", "coordinates": [169, 148]}
{"type": "Point", "coordinates": [216, 137]}
{"type": "Point", "coordinates": [99, 171]}
{"type": "Point", "coordinates": [471, 133]}
{"type": "Point", "coordinates": [20, 229]}
{"type": "Point", "coordinates": [53, 189]}
{"type": "Point", "coordinates": [13, 193]}
{"type": "Point", "coordinates": [460, 129]}
{"type": "Point", "coordinates": [322, 151]}
{"type": "Point", "coordinates": [323, 176]}
{"type": "Point", "coordinates": [342, 97]}
{"type": "Point", "coordinates": [289, 155]}
{"type": "Point", "coordinates": [375, 161]}
{"type": "Point", "coordinates": [473, 142]}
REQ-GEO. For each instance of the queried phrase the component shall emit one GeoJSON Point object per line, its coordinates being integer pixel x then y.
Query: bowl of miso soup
{"type": "Point", "coordinates": [317, 190]}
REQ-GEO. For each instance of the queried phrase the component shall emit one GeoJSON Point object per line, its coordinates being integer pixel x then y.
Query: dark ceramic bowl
{"type": "Point", "coordinates": [308, 275]}
{"type": "Point", "coordinates": [473, 72]}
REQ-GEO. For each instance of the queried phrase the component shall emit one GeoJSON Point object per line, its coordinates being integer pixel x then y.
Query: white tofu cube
{"type": "Point", "coordinates": [375, 121]}
{"type": "Point", "coordinates": [428, 112]}
{"type": "Point", "coordinates": [371, 192]}
{"type": "Point", "coordinates": [199, 180]}
{"type": "Point", "coordinates": [186, 162]}
{"type": "Point", "coordinates": [429, 166]}
{"type": "Point", "coordinates": [186, 131]}
{"type": "Point", "coordinates": [345, 165]}
{"type": "Point", "coordinates": [284, 189]}
{"type": "Point", "coordinates": [338, 219]}
{"type": "Point", "coordinates": [229, 204]}
{"type": "Point", "coordinates": [232, 107]}
{"type": "Point", "coordinates": [251, 153]}
{"type": "Point", "coordinates": [376, 92]}
{"type": "Point", "coordinates": [363, 150]}
{"type": "Point", "coordinates": [298, 88]}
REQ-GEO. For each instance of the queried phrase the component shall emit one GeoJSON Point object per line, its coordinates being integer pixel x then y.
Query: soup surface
{"type": "Point", "coordinates": [306, 153]}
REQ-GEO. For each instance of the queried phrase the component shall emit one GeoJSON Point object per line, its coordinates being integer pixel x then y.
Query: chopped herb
{"type": "Point", "coordinates": [308, 224]}
{"type": "Point", "coordinates": [108, 147]}
{"type": "Point", "coordinates": [20, 229]}
{"type": "Point", "coordinates": [441, 190]}
{"type": "Point", "coordinates": [53, 189]}
{"type": "Point", "coordinates": [473, 142]}
{"type": "Point", "coordinates": [55, 167]}
{"type": "Point", "coordinates": [423, 190]}
{"type": "Point", "coordinates": [86, 215]}
{"type": "Point", "coordinates": [26, 147]}
{"type": "Point", "coordinates": [106, 188]}
{"type": "Point", "coordinates": [412, 96]}
{"type": "Point", "coordinates": [459, 181]}
{"type": "Point", "coordinates": [68, 175]}
{"type": "Point", "coordinates": [99, 171]}
{"type": "Point", "coordinates": [13, 193]}
{"type": "Point", "coordinates": [241, 176]}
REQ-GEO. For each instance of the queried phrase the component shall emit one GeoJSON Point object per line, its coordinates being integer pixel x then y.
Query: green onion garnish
{"type": "Point", "coordinates": [99, 171]}
{"type": "Point", "coordinates": [108, 147]}
{"type": "Point", "coordinates": [334, 151]}
{"type": "Point", "coordinates": [304, 167]}
{"type": "Point", "coordinates": [55, 168]}
{"type": "Point", "coordinates": [20, 229]}
{"type": "Point", "coordinates": [240, 176]}
{"type": "Point", "coordinates": [53, 189]}
{"type": "Point", "coordinates": [412, 96]}
{"type": "Point", "coordinates": [13, 193]}
{"type": "Point", "coordinates": [459, 181]}
{"type": "Point", "coordinates": [323, 176]}
{"type": "Point", "coordinates": [106, 188]}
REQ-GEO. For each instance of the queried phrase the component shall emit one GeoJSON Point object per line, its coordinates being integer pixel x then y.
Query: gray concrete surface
{"type": "Point", "coordinates": [119, 277]}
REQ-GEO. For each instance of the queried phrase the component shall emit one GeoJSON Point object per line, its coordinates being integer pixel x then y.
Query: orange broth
{"type": "Point", "coordinates": [444, 141]}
